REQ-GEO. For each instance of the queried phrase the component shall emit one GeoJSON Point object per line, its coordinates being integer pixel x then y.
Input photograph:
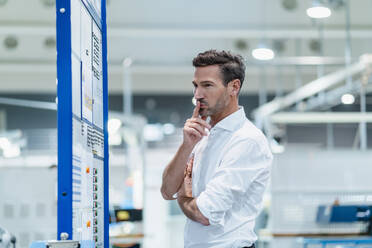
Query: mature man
{"type": "Point", "coordinates": [222, 168]}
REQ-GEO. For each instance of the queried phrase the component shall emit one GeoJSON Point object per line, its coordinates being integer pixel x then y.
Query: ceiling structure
{"type": "Point", "coordinates": [162, 37]}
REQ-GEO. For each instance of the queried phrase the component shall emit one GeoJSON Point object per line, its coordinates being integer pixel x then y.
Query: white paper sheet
{"type": "Point", "coordinates": [75, 28]}
{"type": "Point", "coordinates": [86, 59]}
{"type": "Point", "coordinates": [97, 77]}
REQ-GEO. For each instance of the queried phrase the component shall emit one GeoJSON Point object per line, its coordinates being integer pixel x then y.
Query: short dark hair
{"type": "Point", "coordinates": [231, 65]}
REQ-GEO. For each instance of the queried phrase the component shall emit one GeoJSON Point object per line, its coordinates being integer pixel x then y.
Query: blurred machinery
{"type": "Point", "coordinates": [127, 147]}
{"type": "Point", "coordinates": [304, 105]}
{"type": "Point", "coordinates": [335, 213]}
{"type": "Point", "coordinates": [345, 214]}
{"type": "Point", "coordinates": [7, 240]}
{"type": "Point", "coordinates": [319, 195]}
{"type": "Point", "coordinates": [28, 213]}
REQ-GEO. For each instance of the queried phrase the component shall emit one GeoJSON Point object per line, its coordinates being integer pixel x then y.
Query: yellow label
{"type": "Point", "coordinates": [123, 215]}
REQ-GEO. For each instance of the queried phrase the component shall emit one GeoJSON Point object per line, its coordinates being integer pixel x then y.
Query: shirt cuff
{"type": "Point", "coordinates": [204, 206]}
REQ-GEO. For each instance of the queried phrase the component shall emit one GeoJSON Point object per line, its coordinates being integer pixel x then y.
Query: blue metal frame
{"type": "Point", "coordinates": [105, 120]}
{"type": "Point", "coordinates": [64, 77]}
{"type": "Point", "coordinates": [64, 93]}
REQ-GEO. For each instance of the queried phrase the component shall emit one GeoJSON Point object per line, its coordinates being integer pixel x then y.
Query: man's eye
{"type": "Point", "coordinates": [208, 85]}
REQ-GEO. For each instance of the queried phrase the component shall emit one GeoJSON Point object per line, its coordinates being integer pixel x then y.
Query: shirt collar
{"type": "Point", "coordinates": [232, 121]}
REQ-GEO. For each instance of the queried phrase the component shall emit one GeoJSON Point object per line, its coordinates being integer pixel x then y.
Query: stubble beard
{"type": "Point", "coordinates": [220, 105]}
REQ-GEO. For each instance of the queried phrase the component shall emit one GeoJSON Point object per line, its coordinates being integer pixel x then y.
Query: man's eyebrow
{"type": "Point", "coordinates": [207, 82]}
{"type": "Point", "coordinates": [203, 82]}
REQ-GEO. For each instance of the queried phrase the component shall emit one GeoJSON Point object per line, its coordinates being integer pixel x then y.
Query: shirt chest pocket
{"type": "Point", "coordinates": [212, 168]}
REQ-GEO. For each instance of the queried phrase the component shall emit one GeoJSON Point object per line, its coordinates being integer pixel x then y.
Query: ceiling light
{"type": "Point", "coordinates": [336, 4]}
{"type": "Point", "coordinates": [241, 45]}
{"type": "Point", "coordinates": [50, 42]}
{"type": "Point", "coordinates": [48, 3]}
{"type": "Point", "coordinates": [279, 46]}
{"type": "Point", "coordinates": [315, 46]}
{"type": "Point", "coordinates": [10, 42]}
{"type": "Point", "coordinates": [289, 4]}
{"type": "Point", "coordinates": [347, 99]}
{"type": "Point", "coordinates": [263, 53]}
{"type": "Point", "coordinates": [318, 11]}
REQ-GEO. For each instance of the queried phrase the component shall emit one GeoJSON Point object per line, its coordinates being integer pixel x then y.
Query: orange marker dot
{"type": "Point", "coordinates": [88, 223]}
{"type": "Point", "coordinates": [87, 170]}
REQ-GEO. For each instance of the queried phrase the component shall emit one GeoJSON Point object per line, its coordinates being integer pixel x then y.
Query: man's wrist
{"type": "Point", "coordinates": [187, 147]}
{"type": "Point", "coordinates": [182, 198]}
{"type": "Point", "coordinates": [184, 201]}
{"type": "Point", "coordinates": [190, 209]}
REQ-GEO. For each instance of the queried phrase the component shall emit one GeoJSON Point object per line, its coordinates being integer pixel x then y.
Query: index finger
{"type": "Point", "coordinates": [196, 110]}
{"type": "Point", "coordinates": [190, 165]}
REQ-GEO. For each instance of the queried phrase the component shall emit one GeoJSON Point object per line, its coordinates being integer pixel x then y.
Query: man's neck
{"type": "Point", "coordinates": [220, 116]}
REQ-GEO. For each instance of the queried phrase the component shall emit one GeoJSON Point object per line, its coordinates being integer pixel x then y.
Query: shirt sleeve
{"type": "Point", "coordinates": [243, 163]}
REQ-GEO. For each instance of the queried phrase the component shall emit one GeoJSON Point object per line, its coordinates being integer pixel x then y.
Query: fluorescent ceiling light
{"type": "Point", "coordinates": [263, 53]}
{"type": "Point", "coordinates": [347, 99]}
{"type": "Point", "coordinates": [318, 12]}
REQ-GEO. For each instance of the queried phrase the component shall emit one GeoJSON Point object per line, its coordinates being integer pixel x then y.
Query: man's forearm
{"type": "Point", "coordinates": [174, 172]}
{"type": "Point", "coordinates": [191, 210]}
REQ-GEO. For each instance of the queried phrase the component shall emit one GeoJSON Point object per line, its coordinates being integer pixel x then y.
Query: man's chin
{"type": "Point", "coordinates": [203, 112]}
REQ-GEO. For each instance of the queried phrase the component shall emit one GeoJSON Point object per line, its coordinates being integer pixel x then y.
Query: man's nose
{"type": "Point", "coordinates": [198, 94]}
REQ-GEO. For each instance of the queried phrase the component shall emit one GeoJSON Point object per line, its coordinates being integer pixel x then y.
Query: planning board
{"type": "Point", "coordinates": [82, 111]}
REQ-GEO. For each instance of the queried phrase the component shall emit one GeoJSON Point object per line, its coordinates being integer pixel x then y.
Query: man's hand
{"type": "Point", "coordinates": [186, 188]}
{"type": "Point", "coordinates": [194, 128]}
{"type": "Point", "coordinates": [173, 174]}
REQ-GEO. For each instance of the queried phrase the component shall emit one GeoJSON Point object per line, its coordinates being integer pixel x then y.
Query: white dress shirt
{"type": "Point", "coordinates": [230, 173]}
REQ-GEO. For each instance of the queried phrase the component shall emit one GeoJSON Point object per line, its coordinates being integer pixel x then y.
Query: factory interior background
{"type": "Point", "coordinates": [307, 86]}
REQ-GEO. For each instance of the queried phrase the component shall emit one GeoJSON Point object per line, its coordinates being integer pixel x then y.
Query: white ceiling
{"type": "Point", "coordinates": [163, 36]}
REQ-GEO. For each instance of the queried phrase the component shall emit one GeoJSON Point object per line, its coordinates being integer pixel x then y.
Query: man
{"type": "Point", "coordinates": [221, 169]}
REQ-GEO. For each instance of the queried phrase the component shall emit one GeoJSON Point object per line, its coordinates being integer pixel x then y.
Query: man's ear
{"type": "Point", "coordinates": [235, 87]}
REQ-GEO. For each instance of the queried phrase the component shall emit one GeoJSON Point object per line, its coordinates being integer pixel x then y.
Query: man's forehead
{"type": "Point", "coordinates": [207, 73]}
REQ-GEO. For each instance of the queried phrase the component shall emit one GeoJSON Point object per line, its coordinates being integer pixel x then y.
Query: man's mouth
{"type": "Point", "coordinates": [203, 105]}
